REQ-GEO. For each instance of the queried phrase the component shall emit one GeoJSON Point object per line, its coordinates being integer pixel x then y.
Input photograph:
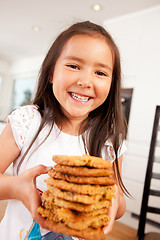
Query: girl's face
{"type": "Point", "coordinates": [82, 75]}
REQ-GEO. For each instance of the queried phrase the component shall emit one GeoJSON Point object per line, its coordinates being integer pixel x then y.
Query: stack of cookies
{"type": "Point", "coordinates": [78, 196]}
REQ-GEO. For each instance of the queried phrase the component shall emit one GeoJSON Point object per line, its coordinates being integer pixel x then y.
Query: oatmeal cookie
{"type": "Point", "coordinates": [74, 219]}
{"type": "Point", "coordinates": [85, 160]}
{"type": "Point", "coordinates": [74, 197]}
{"type": "Point", "coordinates": [80, 207]}
{"type": "Point", "coordinates": [79, 188]}
{"type": "Point", "coordinates": [83, 171]}
{"type": "Point", "coordinates": [82, 198]}
{"type": "Point", "coordinates": [84, 180]}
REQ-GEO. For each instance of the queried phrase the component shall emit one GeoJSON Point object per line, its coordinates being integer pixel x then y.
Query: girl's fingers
{"type": "Point", "coordinates": [112, 213]}
{"type": "Point", "coordinates": [38, 170]}
{"type": "Point", "coordinates": [27, 191]}
{"type": "Point", "coordinates": [109, 226]}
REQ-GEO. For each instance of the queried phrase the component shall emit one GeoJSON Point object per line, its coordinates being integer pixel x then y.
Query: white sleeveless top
{"type": "Point", "coordinates": [25, 122]}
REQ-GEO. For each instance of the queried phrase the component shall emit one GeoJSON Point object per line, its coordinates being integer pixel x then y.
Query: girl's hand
{"type": "Point", "coordinates": [118, 207]}
{"type": "Point", "coordinates": [112, 212]}
{"type": "Point", "coordinates": [25, 190]}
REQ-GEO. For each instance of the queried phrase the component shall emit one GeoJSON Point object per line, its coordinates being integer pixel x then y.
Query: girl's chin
{"type": "Point", "coordinates": [77, 115]}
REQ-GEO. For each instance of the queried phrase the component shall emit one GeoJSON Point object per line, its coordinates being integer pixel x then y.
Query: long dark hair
{"type": "Point", "coordinates": [105, 122]}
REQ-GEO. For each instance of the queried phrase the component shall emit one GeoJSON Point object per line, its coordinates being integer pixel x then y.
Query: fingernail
{"type": "Point", "coordinates": [48, 168]}
{"type": "Point", "coordinates": [105, 230]}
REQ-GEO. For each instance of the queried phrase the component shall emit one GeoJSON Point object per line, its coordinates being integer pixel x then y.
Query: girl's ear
{"type": "Point", "coordinates": [51, 79]}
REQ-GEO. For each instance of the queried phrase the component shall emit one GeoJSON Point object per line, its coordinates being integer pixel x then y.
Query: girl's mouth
{"type": "Point", "coordinates": [79, 97]}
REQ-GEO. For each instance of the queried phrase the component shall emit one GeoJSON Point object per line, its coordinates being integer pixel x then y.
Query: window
{"type": "Point", "coordinates": [22, 91]}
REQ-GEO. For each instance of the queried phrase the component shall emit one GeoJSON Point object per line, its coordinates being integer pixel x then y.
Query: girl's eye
{"type": "Point", "coordinates": [101, 73]}
{"type": "Point", "coordinates": [73, 66]}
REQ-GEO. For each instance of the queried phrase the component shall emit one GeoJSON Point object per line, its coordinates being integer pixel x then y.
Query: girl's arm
{"type": "Point", "coordinates": [23, 186]}
{"type": "Point", "coordinates": [9, 150]}
{"type": "Point", "coordinates": [118, 205]}
{"type": "Point", "coordinates": [121, 200]}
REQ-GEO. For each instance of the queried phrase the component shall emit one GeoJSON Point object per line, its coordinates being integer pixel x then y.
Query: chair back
{"type": "Point", "coordinates": [152, 176]}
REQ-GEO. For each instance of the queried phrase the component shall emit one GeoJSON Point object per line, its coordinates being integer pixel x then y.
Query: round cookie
{"type": "Point", "coordinates": [79, 188]}
{"type": "Point", "coordinates": [83, 171]}
{"type": "Point", "coordinates": [80, 207]}
{"type": "Point", "coordinates": [85, 160]}
{"type": "Point", "coordinates": [76, 197]}
{"type": "Point", "coordinates": [75, 220]}
{"type": "Point", "coordinates": [82, 180]}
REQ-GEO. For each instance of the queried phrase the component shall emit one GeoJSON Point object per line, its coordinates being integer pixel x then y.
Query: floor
{"type": "Point", "coordinates": [122, 232]}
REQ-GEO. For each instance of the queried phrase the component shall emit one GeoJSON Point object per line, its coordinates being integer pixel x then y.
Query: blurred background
{"type": "Point", "coordinates": [28, 28]}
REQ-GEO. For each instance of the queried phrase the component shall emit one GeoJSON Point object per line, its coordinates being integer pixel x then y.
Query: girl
{"type": "Point", "coordinates": [76, 110]}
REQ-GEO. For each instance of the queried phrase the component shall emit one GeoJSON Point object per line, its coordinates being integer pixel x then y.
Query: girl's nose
{"type": "Point", "coordinates": [85, 82]}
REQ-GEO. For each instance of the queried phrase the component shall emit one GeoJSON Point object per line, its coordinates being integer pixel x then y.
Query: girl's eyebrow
{"type": "Point", "coordinates": [82, 61]}
{"type": "Point", "coordinates": [104, 66]}
{"type": "Point", "coordinates": [74, 58]}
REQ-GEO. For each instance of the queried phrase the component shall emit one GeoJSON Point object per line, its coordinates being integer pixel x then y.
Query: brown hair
{"type": "Point", "coordinates": [102, 123]}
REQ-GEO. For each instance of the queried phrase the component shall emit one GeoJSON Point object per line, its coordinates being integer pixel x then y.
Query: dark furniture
{"type": "Point", "coordinates": [152, 174]}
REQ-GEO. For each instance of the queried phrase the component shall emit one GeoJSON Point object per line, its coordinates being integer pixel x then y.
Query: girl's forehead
{"type": "Point", "coordinates": [82, 40]}
{"type": "Point", "coordinates": [88, 45]}
{"type": "Point", "coordinates": [83, 37]}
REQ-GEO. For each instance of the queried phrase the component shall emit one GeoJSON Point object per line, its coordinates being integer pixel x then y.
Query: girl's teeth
{"type": "Point", "coordinates": [78, 97]}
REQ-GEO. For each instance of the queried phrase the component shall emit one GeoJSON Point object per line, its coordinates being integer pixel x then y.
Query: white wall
{"type": "Point", "coordinates": [138, 38]}
{"type": "Point", "coordinates": [26, 67]}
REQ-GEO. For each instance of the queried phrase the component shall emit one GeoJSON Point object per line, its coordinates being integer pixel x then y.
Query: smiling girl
{"type": "Point", "coordinates": [76, 110]}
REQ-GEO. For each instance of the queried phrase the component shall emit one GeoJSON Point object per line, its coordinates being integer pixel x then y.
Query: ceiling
{"type": "Point", "coordinates": [19, 17]}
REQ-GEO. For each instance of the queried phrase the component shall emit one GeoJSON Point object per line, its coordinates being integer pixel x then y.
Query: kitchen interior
{"type": "Point", "coordinates": [27, 29]}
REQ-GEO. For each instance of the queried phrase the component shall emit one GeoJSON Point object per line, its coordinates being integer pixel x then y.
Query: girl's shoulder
{"type": "Point", "coordinates": [109, 153]}
{"type": "Point", "coordinates": [25, 115]}
{"type": "Point", "coordinates": [27, 111]}
{"type": "Point", "coordinates": [22, 119]}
